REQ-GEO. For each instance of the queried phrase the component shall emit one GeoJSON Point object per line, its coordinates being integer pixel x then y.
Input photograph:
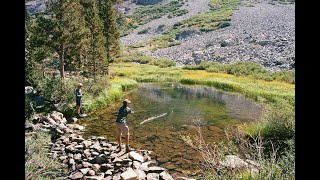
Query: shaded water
{"type": "Point", "coordinates": [164, 112]}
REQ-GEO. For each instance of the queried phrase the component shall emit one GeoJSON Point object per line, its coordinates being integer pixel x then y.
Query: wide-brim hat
{"type": "Point", "coordinates": [127, 101]}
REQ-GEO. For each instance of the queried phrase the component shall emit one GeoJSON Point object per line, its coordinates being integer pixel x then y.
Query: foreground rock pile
{"type": "Point", "coordinates": [96, 157]}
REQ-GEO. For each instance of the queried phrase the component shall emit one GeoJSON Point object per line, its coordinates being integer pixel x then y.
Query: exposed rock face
{"type": "Point", "coordinates": [29, 90]}
{"type": "Point", "coordinates": [153, 176]}
{"type": "Point", "coordinates": [136, 157]}
{"type": "Point", "coordinates": [96, 157]}
{"type": "Point", "coordinates": [164, 23]}
{"type": "Point", "coordinates": [77, 175]}
{"type": "Point", "coordinates": [197, 56]}
{"type": "Point", "coordinates": [58, 117]}
{"type": "Point", "coordinates": [234, 162]}
{"type": "Point", "coordinates": [165, 176]}
{"type": "Point", "coordinates": [129, 174]}
{"type": "Point", "coordinates": [148, 2]}
{"type": "Point", "coordinates": [264, 34]}
{"type": "Point", "coordinates": [185, 34]}
{"type": "Point", "coordinates": [35, 6]}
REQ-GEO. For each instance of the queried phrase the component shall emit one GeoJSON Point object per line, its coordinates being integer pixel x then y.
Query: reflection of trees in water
{"type": "Point", "coordinates": [198, 92]}
{"type": "Point", "coordinates": [236, 105]}
{"type": "Point", "coordinates": [175, 99]}
{"type": "Point", "coordinates": [154, 93]}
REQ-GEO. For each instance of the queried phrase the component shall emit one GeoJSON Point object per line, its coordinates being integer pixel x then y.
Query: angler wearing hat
{"type": "Point", "coordinates": [78, 99]}
{"type": "Point", "coordinates": [121, 125]}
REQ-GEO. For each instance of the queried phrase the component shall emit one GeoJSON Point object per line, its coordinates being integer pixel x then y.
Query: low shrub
{"type": "Point", "coordinates": [244, 68]}
{"type": "Point", "coordinates": [50, 88]}
{"type": "Point", "coordinates": [279, 122]}
{"type": "Point", "coordinates": [141, 59]}
{"type": "Point", "coordinates": [144, 31]}
{"type": "Point", "coordinates": [137, 57]}
{"type": "Point", "coordinates": [263, 76]}
{"type": "Point", "coordinates": [137, 45]}
{"type": "Point", "coordinates": [191, 67]}
{"type": "Point", "coordinates": [179, 12]}
{"type": "Point", "coordinates": [286, 76]}
{"type": "Point", "coordinates": [161, 26]}
{"type": "Point", "coordinates": [267, 163]}
{"type": "Point", "coordinates": [162, 62]}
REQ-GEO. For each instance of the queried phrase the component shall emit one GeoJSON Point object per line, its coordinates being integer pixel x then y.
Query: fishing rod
{"type": "Point", "coordinates": [153, 118]}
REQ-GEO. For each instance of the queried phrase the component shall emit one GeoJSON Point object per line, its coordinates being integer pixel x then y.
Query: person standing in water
{"type": "Point", "coordinates": [121, 124]}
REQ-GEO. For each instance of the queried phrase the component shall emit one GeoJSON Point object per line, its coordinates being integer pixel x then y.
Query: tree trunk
{"type": "Point", "coordinates": [61, 58]}
{"type": "Point", "coordinates": [42, 67]}
{"type": "Point", "coordinates": [79, 65]}
{"type": "Point", "coordinates": [94, 58]}
{"type": "Point", "coordinates": [108, 45]}
{"type": "Point", "coordinates": [70, 60]}
{"type": "Point", "coordinates": [94, 68]}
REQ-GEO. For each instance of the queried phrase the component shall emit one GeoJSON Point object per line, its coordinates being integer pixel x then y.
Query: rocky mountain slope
{"type": "Point", "coordinates": [262, 31]}
{"type": "Point", "coordinates": [35, 6]}
{"type": "Point", "coordinates": [193, 6]}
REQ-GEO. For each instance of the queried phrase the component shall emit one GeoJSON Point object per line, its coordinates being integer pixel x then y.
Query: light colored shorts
{"type": "Point", "coordinates": [122, 128]}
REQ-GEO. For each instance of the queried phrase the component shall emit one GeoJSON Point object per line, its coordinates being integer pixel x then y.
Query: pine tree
{"type": "Point", "coordinates": [29, 64]}
{"type": "Point", "coordinates": [79, 33]}
{"type": "Point", "coordinates": [38, 40]}
{"type": "Point", "coordinates": [97, 54]}
{"type": "Point", "coordinates": [110, 29]}
{"type": "Point", "coordinates": [36, 50]}
{"type": "Point", "coordinates": [68, 32]}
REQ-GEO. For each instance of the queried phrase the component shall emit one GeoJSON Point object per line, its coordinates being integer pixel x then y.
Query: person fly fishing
{"type": "Point", "coordinates": [121, 124]}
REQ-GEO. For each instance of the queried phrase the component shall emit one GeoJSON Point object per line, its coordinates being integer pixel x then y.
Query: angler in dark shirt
{"type": "Point", "coordinates": [78, 99]}
{"type": "Point", "coordinates": [121, 124]}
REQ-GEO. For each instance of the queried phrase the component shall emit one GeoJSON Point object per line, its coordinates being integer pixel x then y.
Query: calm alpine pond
{"type": "Point", "coordinates": [166, 111]}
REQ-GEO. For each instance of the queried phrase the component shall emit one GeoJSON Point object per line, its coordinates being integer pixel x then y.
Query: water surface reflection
{"type": "Point", "coordinates": [178, 106]}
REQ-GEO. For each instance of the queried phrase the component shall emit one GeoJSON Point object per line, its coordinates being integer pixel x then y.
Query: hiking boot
{"type": "Point", "coordinates": [119, 148]}
{"type": "Point", "coordinates": [128, 149]}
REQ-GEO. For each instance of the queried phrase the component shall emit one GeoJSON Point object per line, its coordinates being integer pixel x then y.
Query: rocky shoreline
{"type": "Point", "coordinates": [94, 158]}
{"type": "Point", "coordinates": [97, 158]}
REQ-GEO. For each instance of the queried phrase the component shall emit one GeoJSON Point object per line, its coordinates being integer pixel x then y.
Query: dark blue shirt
{"type": "Point", "coordinates": [123, 113]}
{"type": "Point", "coordinates": [78, 94]}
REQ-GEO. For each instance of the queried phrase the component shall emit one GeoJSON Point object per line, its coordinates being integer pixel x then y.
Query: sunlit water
{"type": "Point", "coordinates": [180, 110]}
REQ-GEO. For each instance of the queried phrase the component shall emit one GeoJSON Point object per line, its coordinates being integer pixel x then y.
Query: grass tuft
{"type": "Point", "coordinates": [38, 161]}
